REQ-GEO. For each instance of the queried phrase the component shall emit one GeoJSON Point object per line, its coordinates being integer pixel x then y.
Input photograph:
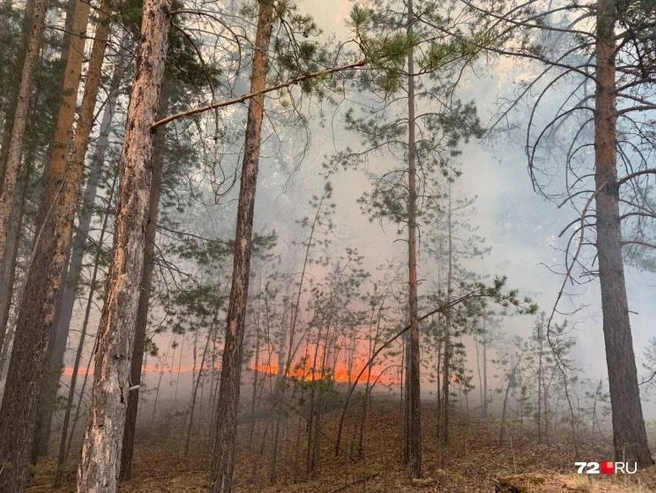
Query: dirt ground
{"type": "Point", "coordinates": [473, 463]}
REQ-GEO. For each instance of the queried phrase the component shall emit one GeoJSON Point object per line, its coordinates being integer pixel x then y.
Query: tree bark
{"type": "Point", "coordinates": [101, 450]}
{"type": "Point", "coordinates": [629, 435]}
{"type": "Point", "coordinates": [228, 400]}
{"type": "Point", "coordinates": [159, 149]}
{"type": "Point", "coordinates": [413, 411]}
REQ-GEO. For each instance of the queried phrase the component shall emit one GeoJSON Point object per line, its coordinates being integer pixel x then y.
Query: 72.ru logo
{"type": "Point", "coordinates": [606, 467]}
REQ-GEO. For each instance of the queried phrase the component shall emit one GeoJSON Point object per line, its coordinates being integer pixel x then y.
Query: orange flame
{"type": "Point", "coordinates": [307, 373]}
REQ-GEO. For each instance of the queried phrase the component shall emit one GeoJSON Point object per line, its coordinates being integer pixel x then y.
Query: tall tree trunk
{"type": "Point", "coordinates": [101, 450]}
{"type": "Point", "coordinates": [59, 328]}
{"type": "Point", "coordinates": [226, 430]}
{"type": "Point", "coordinates": [486, 341]}
{"type": "Point", "coordinates": [629, 435]}
{"type": "Point", "coordinates": [159, 145]}
{"type": "Point", "coordinates": [539, 415]}
{"type": "Point", "coordinates": [478, 371]}
{"type": "Point", "coordinates": [413, 411]}
{"type": "Point", "coordinates": [448, 345]}
{"type": "Point", "coordinates": [47, 269]}
{"type": "Point", "coordinates": [15, 147]}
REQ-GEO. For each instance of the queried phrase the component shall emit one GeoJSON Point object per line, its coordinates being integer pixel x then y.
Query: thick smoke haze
{"type": "Point", "coordinates": [519, 225]}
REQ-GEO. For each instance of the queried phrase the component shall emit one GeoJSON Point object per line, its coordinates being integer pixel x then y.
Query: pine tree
{"type": "Point", "coordinates": [392, 36]}
{"type": "Point", "coordinates": [228, 398]}
{"type": "Point", "coordinates": [605, 63]}
{"type": "Point", "coordinates": [100, 463]}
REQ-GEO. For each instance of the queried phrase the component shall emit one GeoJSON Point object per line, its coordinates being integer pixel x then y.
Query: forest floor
{"type": "Point", "coordinates": [474, 462]}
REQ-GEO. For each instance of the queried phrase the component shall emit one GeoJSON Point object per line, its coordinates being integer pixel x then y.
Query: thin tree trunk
{"type": "Point", "coordinates": [504, 409]}
{"type": "Point", "coordinates": [162, 369]}
{"type": "Point", "coordinates": [273, 462]}
{"type": "Point", "coordinates": [177, 380]}
{"type": "Point", "coordinates": [448, 346]}
{"type": "Point", "coordinates": [285, 363]}
{"type": "Point", "coordinates": [59, 333]}
{"type": "Point", "coordinates": [372, 350]}
{"type": "Point", "coordinates": [629, 435]}
{"type": "Point", "coordinates": [78, 407]}
{"type": "Point", "coordinates": [540, 380]}
{"type": "Point", "coordinates": [485, 343]}
{"type": "Point", "coordinates": [224, 444]}
{"type": "Point", "coordinates": [478, 369]}
{"type": "Point", "coordinates": [194, 393]}
{"type": "Point", "coordinates": [438, 386]}
{"type": "Point", "coordinates": [297, 449]}
{"type": "Point", "coordinates": [292, 330]}
{"type": "Point", "coordinates": [365, 409]}
{"type": "Point", "coordinates": [101, 450]}
{"type": "Point", "coordinates": [403, 401]}
{"type": "Point", "coordinates": [313, 414]}
{"type": "Point", "coordinates": [413, 415]}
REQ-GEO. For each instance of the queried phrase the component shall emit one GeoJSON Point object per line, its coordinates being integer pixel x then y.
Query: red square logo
{"type": "Point", "coordinates": [607, 467]}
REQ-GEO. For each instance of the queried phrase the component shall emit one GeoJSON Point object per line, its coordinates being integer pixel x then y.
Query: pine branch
{"type": "Point", "coordinates": [246, 97]}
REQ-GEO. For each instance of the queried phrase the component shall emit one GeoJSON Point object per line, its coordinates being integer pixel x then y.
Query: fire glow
{"type": "Point", "coordinates": [340, 375]}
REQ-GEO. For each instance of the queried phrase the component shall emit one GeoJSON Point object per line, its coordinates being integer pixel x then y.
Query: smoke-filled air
{"type": "Point", "coordinates": [327, 246]}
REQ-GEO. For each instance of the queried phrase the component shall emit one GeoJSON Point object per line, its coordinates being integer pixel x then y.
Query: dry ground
{"type": "Point", "coordinates": [475, 463]}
